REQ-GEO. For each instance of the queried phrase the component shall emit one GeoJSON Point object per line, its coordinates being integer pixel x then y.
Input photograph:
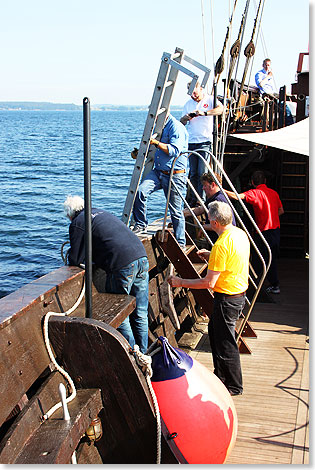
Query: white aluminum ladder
{"type": "Point", "coordinates": [158, 111]}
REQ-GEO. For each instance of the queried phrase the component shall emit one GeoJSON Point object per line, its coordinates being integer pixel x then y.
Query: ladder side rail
{"type": "Point", "coordinates": [206, 209]}
{"type": "Point", "coordinates": [145, 142]}
{"type": "Point", "coordinates": [265, 269]}
{"type": "Point", "coordinates": [201, 227]}
{"type": "Point", "coordinates": [164, 106]}
{"type": "Point", "coordinates": [201, 67]}
{"type": "Point", "coordinates": [171, 182]}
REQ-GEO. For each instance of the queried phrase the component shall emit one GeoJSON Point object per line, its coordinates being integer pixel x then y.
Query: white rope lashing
{"type": "Point", "coordinates": [144, 362]}
{"type": "Point", "coordinates": [51, 355]}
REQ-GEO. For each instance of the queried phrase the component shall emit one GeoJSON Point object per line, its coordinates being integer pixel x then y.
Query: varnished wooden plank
{"type": "Point", "coordinates": [30, 418]}
{"type": "Point", "coordinates": [55, 440]}
{"type": "Point", "coordinates": [14, 304]}
{"type": "Point", "coordinates": [95, 354]}
{"type": "Point", "coordinates": [112, 308]}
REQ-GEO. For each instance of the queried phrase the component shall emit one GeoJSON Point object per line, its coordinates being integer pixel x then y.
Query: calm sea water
{"type": "Point", "coordinates": [41, 163]}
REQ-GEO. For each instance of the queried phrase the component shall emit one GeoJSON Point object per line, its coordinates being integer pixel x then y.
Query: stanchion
{"type": "Point", "coordinates": [87, 206]}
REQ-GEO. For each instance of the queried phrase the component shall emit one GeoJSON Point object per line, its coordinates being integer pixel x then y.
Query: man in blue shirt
{"type": "Point", "coordinates": [264, 79]}
{"type": "Point", "coordinates": [174, 141]}
{"type": "Point", "coordinates": [265, 82]}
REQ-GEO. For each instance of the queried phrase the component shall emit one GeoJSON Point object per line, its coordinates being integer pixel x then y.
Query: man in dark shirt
{"type": "Point", "coordinates": [121, 254]}
{"type": "Point", "coordinates": [213, 193]}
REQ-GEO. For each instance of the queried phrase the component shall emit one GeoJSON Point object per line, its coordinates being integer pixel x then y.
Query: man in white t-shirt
{"type": "Point", "coordinates": [198, 116]}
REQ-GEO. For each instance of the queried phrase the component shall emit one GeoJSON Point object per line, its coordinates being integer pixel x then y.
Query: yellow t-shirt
{"type": "Point", "coordinates": [230, 256]}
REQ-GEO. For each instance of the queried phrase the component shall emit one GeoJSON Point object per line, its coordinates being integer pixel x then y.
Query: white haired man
{"type": "Point", "coordinates": [227, 275]}
{"type": "Point", "coordinates": [121, 254]}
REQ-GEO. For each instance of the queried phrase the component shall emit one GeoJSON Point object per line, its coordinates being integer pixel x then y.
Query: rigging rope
{"type": "Point", "coordinates": [251, 69]}
{"type": "Point", "coordinates": [249, 52]}
{"type": "Point", "coordinates": [236, 47]}
{"type": "Point", "coordinates": [219, 66]}
{"type": "Point", "coordinates": [52, 357]}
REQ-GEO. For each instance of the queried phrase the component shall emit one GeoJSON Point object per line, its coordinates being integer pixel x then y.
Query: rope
{"type": "Point", "coordinates": [64, 257]}
{"type": "Point", "coordinates": [144, 362]}
{"type": "Point", "coordinates": [52, 358]}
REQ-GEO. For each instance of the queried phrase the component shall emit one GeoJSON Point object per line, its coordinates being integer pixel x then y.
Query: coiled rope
{"type": "Point", "coordinates": [51, 355]}
{"type": "Point", "coordinates": [144, 361]}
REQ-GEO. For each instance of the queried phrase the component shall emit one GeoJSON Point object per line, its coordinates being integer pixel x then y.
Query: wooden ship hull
{"type": "Point", "coordinates": [109, 382]}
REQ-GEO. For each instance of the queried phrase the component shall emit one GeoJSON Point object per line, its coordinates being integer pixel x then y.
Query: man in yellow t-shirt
{"type": "Point", "coordinates": [227, 275]}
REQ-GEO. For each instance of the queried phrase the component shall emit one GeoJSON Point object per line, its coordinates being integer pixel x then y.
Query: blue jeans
{"type": "Point", "coordinates": [196, 165]}
{"type": "Point", "coordinates": [154, 181]}
{"type": "Point", "coordinates": [133, 279]}
{"type": "Point", "coordinates": [225, 352]}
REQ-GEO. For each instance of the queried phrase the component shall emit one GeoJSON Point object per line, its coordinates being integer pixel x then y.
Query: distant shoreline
{"type": "Point", "coordinates": [46, 106]}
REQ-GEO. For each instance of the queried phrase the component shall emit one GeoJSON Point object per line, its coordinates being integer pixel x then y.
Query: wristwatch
{"type": "Point", "coordinates": [206, 113]}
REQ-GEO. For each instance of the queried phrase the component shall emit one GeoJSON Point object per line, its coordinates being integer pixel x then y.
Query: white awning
{"type": "Point", "coordinates": [294, 138]}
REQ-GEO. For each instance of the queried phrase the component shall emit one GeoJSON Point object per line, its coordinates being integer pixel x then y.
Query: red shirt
{"type": "Point", "coordinates": [266, 204]}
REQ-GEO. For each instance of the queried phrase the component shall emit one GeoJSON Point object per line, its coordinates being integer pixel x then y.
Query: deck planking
{"type": "Point", "coordinates": [273, 411]}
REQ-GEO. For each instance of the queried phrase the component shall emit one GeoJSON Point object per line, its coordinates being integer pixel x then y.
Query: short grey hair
{"type": "Point", "coordinates": [221, 212]}
{"type": "Point", "coordinates": [72, 205]}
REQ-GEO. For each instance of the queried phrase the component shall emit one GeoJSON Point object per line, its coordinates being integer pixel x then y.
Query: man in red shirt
{"type": "Point", "coordinates": [267, 209]}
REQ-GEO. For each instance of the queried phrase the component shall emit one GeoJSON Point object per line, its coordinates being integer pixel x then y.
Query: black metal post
{"type": "Point", "coordinates": [282, 100]}
{"type": "Point", "coordinates": [87, 206]}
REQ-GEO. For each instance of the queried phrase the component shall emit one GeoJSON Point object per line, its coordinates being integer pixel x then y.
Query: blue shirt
{"type": "Point", "coordinates": [219, 196]}
{"type": "Point", "coordinates": [267, 86]}
{"type": "Point", "coordinates": [114, 245]}
{"type": "Point", "coordinates": [176, 137]}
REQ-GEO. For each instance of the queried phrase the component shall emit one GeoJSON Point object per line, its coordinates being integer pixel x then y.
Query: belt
{"type": "Point", "coordinates": [228, 296]}
{"type": "Point", "coordinates": [175, 172]}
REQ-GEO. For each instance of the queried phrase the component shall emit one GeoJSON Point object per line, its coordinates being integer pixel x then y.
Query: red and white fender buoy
{"type": "Point", "coordinates": [196, 408]}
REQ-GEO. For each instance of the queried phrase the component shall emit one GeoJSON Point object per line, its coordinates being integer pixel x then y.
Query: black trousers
{"type": "Point", "coordinates": [226, 357]}
{"type": "Point", "coordinates": [272, 237]}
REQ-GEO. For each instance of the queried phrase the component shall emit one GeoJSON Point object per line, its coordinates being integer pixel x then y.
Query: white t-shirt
{"type": "Point", "coordinates": [199, 128]}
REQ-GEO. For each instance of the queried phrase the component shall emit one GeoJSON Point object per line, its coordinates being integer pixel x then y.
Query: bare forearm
{"type": "Point", "coordinates": [160, 145]}
{"type": "Point", "coordinates": [202, 283]}
{"type": "Point", "coordinates": [234, 196]}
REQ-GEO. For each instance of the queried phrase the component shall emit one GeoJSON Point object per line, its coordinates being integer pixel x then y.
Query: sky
{"type": "Point", "coordinates": [110, 50]}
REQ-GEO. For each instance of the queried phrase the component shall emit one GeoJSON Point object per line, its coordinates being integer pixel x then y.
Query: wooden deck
{"type": "Point", "coordinates": [273, 410]}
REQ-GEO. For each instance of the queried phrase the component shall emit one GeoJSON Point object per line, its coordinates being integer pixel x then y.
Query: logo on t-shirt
{"type": "Point", "coordinates": [205, 105]}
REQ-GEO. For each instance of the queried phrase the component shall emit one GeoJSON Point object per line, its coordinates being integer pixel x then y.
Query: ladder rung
{"type": "Point", "coordinates": [294, 212]}
{"type": "Point", "coordinates": [161, 111]}
{"type": "Point", "coordinates": [292, 174]}
{"type": "Point", "coordinates": [188, 249]}
{"type": "Point", "coordinates": [294, 163]}
{"type": "Point", "coordinates": [293, 187]}
{"type": "Point", "coordinates": [292, 236]}
{"type": "Point", "coordinates": [292, 224]}
{"type": "Point", "coordinates": [200, 267]}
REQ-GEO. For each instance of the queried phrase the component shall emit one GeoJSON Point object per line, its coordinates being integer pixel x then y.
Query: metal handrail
{"type": "Point", "coordinates": [211, 171]}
